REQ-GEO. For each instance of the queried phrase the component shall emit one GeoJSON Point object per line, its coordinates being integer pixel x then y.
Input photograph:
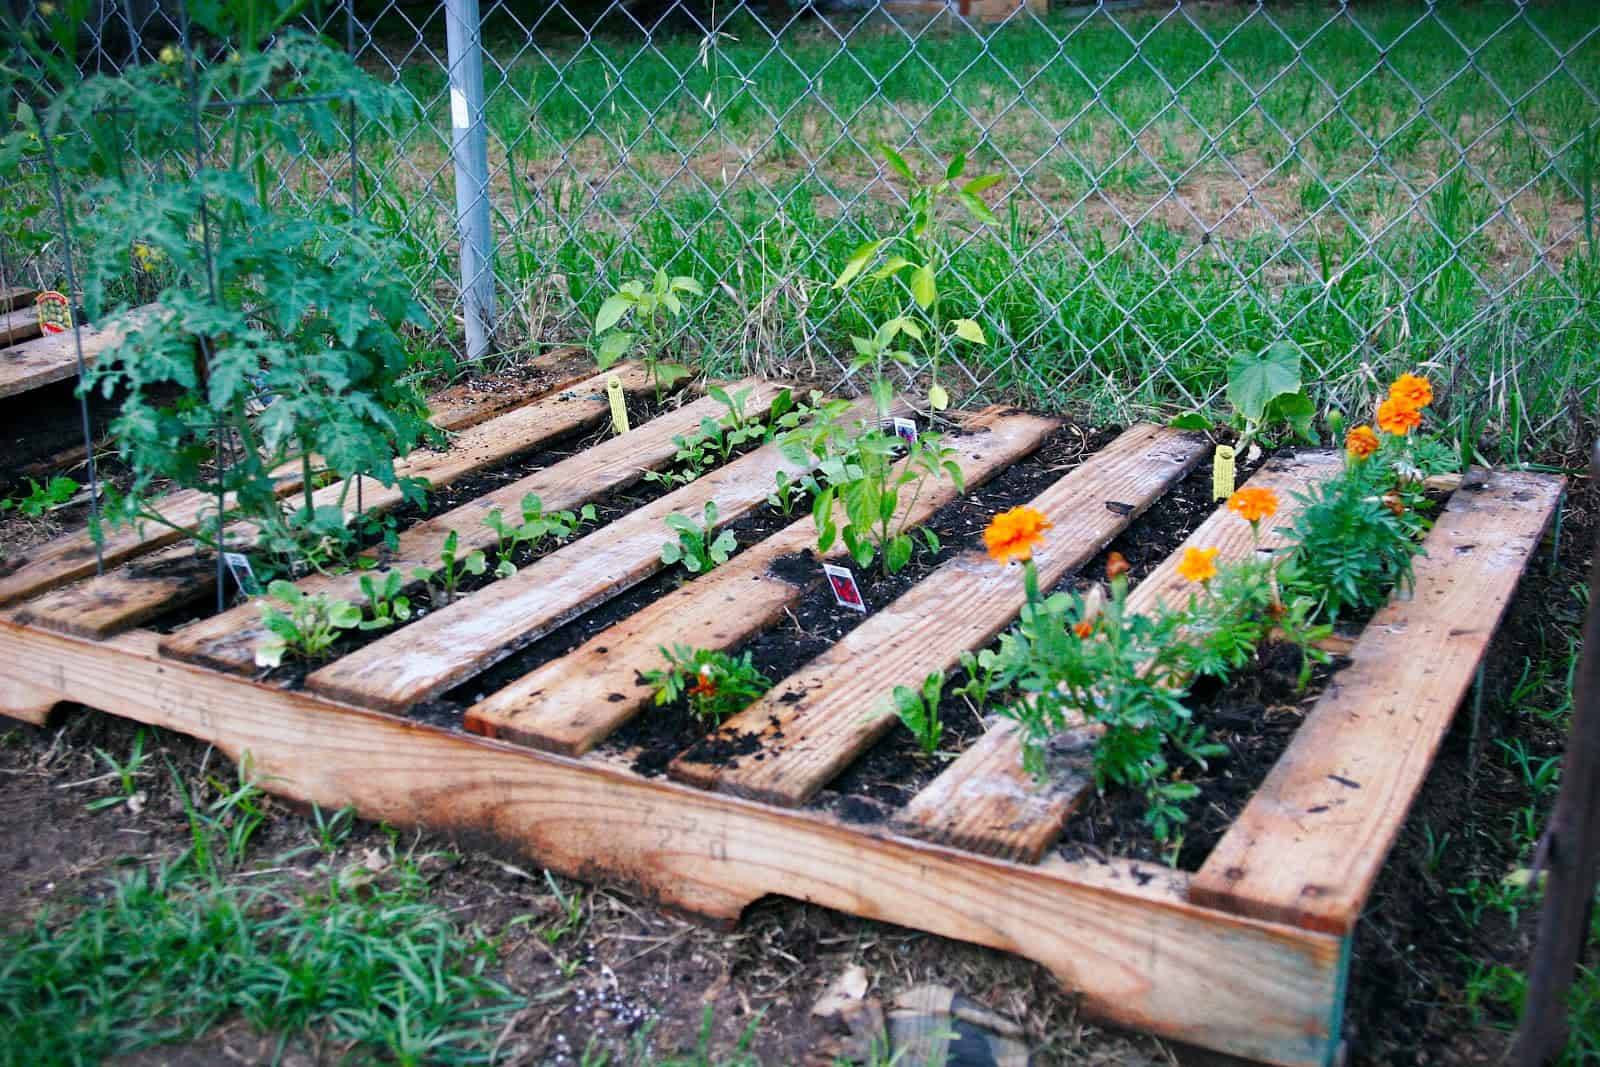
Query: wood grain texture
{"type": "Point", "coordinates": [571, 703]}
{"type": "Point", "coordinates": [984, 801]}
{"type": "Point", "coordinates": [228, 641]}
{"type": "Point", "coordinates": [814, 723]}
{"type": "Point", "coordinates": [72, 556]}
{"type": "Point", "coordinates": [183, 573]}
{"type": "Point", "coordinates": [461, 406]}
{"type": "Point", "coordinates": [52, 358]}
{"type": "Point", "coordinates": [12, 297]}
{"type": "Point", "coordinates": [19, 326]}
{"type": "Point", "coordinates": [427, 657]}
{"type": "Point", "coordinates": [1138, 953]}
{"type": "Point", "coordinates": [1308, 846]}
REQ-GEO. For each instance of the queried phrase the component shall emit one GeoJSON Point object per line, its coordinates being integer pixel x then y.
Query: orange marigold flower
{"type": "Point", "coordinates": [1116, 566]}
{"type": "Point", "coordinates": [1411, 390]}
{"type": "Point", "coordinates": [1254, 504]}
{"type": "Point", "coordinates": [1013, 535]}
{"type": "Point", "coordinates": [1361, 442]}
{"type": "Point", "coordinates": [1198, 564]}
{"type": "Point", "coordinates": [704, 685]}
{"type": "Point", "coordinates": [1083, 628]}
{"type": "Point", "coordinates": [1397, 418]}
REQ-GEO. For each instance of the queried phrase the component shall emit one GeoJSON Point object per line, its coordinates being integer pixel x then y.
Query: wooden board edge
{"type": "Point", "coordinates": [1139, 958]}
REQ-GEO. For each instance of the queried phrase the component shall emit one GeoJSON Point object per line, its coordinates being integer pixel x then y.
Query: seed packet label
{"type": "Point", "coordinates": [845, 590]}
{"type": "Point", "coordinates": [243, 574]}
{"type": "Point", "coordinates": [906, 429]}
{"type": "Point", "coordinates": [619, 405]}
{"type": "Point", "coordinates": [55, 312]}
{"type": "Point", "coordinates": [1222, 473]}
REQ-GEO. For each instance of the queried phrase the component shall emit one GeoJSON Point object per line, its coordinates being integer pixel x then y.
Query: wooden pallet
{"type": "Point", "coordinates": [1248, 955]}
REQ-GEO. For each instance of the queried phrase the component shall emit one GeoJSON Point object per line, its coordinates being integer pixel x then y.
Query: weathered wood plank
{"type": "Point", "coordinates": [19, 326]}
{"type": "Point", "coordinates": [13, 297]}
{"type": "Point", "coordinates": [814, 723]}
{"type": "Point", "coordinates": [72, 556]}
{"type": "Point", "coordinates": [228, 641]}
{"type": "Point", "coordinates": [984, 801]}
{"type": "Point", "coordinates": [453, 643]}
{"type": "Point", "coordinates": [571, 703]}
{"type": "Point", "coordinates": [464, 405]}
{"type": "Point", "coordinates": [1139, 954]}
{"type": "Point", "coordinates": [130, 595]}
{"type": "Point", "coordinates": [1308, 846]}
{"type": "Point", "coordinates": [53, 358]}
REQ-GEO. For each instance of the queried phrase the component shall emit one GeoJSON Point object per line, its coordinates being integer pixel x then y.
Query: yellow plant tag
{"type": "Point", "coordinates": [1222, 473]}
{"type": "Point", "coordinates": [938, 399]}
{"type": "Point", "coordinates": [619, 404]}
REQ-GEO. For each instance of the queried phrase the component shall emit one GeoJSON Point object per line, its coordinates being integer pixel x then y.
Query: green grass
{"type": "Point", "coordinates": [346, 959]}
{"type": "Point", "coordinates": [1341, 212]}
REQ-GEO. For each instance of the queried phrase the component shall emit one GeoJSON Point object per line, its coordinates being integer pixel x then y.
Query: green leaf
{"type": "Point", "coordinates": [1254, 381]}
{"type": "Point", "coordinates": [685, 284]}
{"type": "Point", "coordinates": [958, 163]}
{"type": "Point", "coordinates": [969, 330]}
{"type": "Point", "coordinates": [611, 312]}
{"type": "Point", "coordinates": [1190, 420]}
{"type": "Point", "coordinates": [891, 266]}
{"type": "Point", "coordinates": [924, 287]}
{"type": "Point", "coordinates": [897, 553]}
{"type": "Point", "coordinates": [857, 262]}
{"type": "Point", "coordinates": [981, 185]}
{"type": "Point", "coordinates": [977, 208]}
{"type": "Point", "coordinates": [1298, 411]}
{"type": "Point", "coordinates": [938, 397]}
{"type": "Point", "coordinates": [612, 348]}
{"type": "Point", "coordinates": [898, 162]}
{"type": "Point", "coordinates": [344, 614]}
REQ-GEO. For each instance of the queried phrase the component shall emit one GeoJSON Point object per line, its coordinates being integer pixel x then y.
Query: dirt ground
{"type": "Point", "coordinates": [627, 966]}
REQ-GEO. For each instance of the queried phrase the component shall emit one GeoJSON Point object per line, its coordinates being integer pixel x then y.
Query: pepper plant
{"type": "Point", "coordinates": [276, 336]}
{"type": "Point", "coordinates": [649, 307]}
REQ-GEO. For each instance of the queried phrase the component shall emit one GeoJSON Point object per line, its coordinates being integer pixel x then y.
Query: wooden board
{"type": "Point", "coordinates": [1121, 935]}
{"type": "Point", "coordinates": [19, 326]}
{"type": "Point", "coordinates": [53, 358]}
{"type": "Point", "coordinates": [13, 297]}
{"type": "Point", "coordinates": [468, 403]}
{"type": "Point", "coordinates": [429, 656]}
{"type": "Point", "coordinates": [571, 703]}
{"type": "Point", "coordinates": [228, 641]}
{"type": "Point", "coordinates": [1311, 841]}
{"type": "Point", "coordinates": [183, 573]}
{"type": "Point", "coordinates": [985, 801]}
{"type": "Point", "coordinates": [72, 556]}
{"type": "Point", "coordinates": [814, 723]}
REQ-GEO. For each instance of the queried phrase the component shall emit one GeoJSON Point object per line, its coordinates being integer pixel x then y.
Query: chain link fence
{"type": "Point", "coordinates": [1384, 185]}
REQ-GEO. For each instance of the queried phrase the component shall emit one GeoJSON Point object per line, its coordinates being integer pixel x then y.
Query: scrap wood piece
{"type": "Point", "coordinates": [573, 702]}
{"type": "Point", "coordinates": [1308, 846]}
{"type": "Point", "coordinates": [984, 801]}
{"type": "Point", "coordinates": [228, 641]}
{"type": "Point", "coordinates": [181, 574]}
{"type": "Point", "coordinates": [811, 725]}
{"type": "Point", "coordinates": [72, 556]}
{"type": "Point", "coordinates": [453, 643]}
{"type": "Point", "coordinates": [44, 360]}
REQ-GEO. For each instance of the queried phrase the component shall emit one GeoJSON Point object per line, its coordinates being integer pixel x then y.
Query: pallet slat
{"type": "Point", "coordinates": [19, 326]}
{"type": "Point", "coordinates": [54, 358]}
{"type": "Point", "coordinates": [429, 656]}
{"type": "Point", "coordinates": [1139, 954]}
{"type": "Point", "coordinates": [227, 641]}
{"type": "Point", "coordinates": [816, 721]}
{"type": "Point", "coordinates": [984, 801]}
{"type": "Point", "coordinates": [130, 595]}
{"type": "Point", "coordinates": [1309, 844]}
{"type": "Point", "coordinates": [72, 556]}
{"type": "Point", "coordinates": [571, 703]}
{"type": "Point", "coordinates": [13, 297]}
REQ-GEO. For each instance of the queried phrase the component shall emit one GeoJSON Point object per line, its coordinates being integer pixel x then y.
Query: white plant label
{"type": "Point", "coordinates": [845, 590]}
{"type": "Point", "coordinates": [243, 574]}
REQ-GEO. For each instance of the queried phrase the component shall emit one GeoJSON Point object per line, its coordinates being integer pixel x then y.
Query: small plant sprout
{"type": "Point", "coordinates": [716, 684]}
{"type": "Point", "coordinates": [918, 709]}
{"type": "Point", "coordinates": [41, 498]}
{"type": "Point", "coordinates": [444, 580]}
{"type": "Point", "coordinates": [385, 606]}
{"type": "Point", "coordinates": [696, 547]}
{"type": "Point", "coordinates": [300, 626]}
{"type": "Point", "coordinates": [649, 308]}
{"type": "Point", "coordinates": [127, 773]}
{"type": "Point", "coordinates": [532, 530]}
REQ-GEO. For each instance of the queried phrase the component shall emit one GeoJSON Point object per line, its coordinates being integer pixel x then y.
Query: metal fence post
{"type": "Point", "coordinates": [469, 144]}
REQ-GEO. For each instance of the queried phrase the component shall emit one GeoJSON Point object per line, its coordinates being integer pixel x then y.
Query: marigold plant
{"type": "Point", "coordinates": [1253, 504]}
{"type": "Point", "coordinates": [1361, 442]}
{"type": "Point", "coordinates": [1412, 391]}
{"type": "Point", "coordinates": [1012, 536]}
{"type": "Point", "coordinates": [1198, 564]}
{"type": "Point", "coordinates": [1398, 418]}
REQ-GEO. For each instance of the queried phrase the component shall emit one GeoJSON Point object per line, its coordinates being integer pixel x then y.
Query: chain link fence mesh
{"type": "Point", "coordinates": [1385, 185]}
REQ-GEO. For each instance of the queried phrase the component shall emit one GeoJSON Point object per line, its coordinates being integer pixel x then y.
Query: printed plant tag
{"type": "Point", "coordinates": [55, 312]}
{"type": "Point", "coordinates": [243, 574]}
{"type": "Point", "coordinates": [1222, 473]}
{"type": "Point", "coordinates": [906, 429]}
{"type": "Point", "coordinates": [845, 590]}
{"type": "Point", "coordinates": [619, 404]}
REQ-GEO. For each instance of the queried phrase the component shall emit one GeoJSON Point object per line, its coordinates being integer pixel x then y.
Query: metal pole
{"type": "Point", "coordinates": [469, 146]}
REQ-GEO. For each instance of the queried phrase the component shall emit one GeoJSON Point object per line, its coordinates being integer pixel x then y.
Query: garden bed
{"type": "Point", "coordinates": [810, 792]}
